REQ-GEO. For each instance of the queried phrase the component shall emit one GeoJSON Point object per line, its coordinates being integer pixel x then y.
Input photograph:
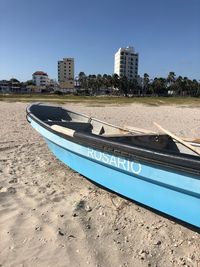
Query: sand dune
{"type": "Point", "coordinates": [52, 216]}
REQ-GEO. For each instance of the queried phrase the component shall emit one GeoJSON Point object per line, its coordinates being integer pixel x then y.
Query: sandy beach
{"type": "Point", "coordinates": [52, 216]}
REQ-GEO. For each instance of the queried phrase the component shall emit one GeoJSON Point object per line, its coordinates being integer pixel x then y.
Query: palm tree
{"type": "Point", "coordinates": [133, 87]}
{"type": "Point", "coordinates": [145, 83]}
{"type": "Point", "coordinates": [170, 82]}
{"type": "Point", "coordinates": [99, 82]}
{"type": "Point", "coordinates": [109, 81]}
{"type": "Point", "coordinates": [82, 78]}
{"type": "Point", "coordinates": [185, 85]}
{"type": "Point", "coordinates": [198, 89]}
{"type": "Point", "coordinates": [105, 80]}
{"type": "Point", "coordinates": [91, 81]}
{"type": "Point", "coordinates": [124, 85]}
{"type": "Point", "coordinates": [171, 78]}
{"type": "Point", "coordinates": [159, 86]}
{"type": "Point", "coordinates": [195, 87]}
{"type": "Point", "coordinates": [178, 86]}
{"type": "Point", "coordinates": [115, 81]}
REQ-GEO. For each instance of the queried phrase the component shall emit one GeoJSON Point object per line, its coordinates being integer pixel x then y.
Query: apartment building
{"type": "Point", "coordinates": [13, 85]}
{"type": "Point", "coordinates": [126, 63]}
{"type": "Point", "coordinates": [40, 78]}
{"type": "Point", "coordinates": [4, 86]}
{"type": "Point", "coordinates": [66, 73]}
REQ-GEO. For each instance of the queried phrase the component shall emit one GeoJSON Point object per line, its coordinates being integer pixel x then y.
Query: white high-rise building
{"type": "Point", "coordinates": [126, 63]}
{"type": "Point", "coordinates": [66, 72]}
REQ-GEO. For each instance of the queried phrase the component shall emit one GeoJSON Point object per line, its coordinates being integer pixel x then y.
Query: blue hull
{"type": "Point", "coordinates": [174, 193]}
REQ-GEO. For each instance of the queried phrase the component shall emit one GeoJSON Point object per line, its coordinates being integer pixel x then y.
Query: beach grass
{"type": "Point", "coordinates": [101, 100]}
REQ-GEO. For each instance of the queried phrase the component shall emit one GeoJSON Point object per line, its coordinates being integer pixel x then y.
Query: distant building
{"type": "Point", "coordinates": [66, 73]}
{"type": "Point", "coordinates": [126, 63]}
{"type": "Point", "coordinates": [35, 88]}
{"type": "Point", "coordinates": [40, 78]}
{"type": "Point", "coordinates": [13, 85]}
{"type": "Point", "coordinates": [4, 86]}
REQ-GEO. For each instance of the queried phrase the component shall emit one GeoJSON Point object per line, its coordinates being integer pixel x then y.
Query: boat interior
{"type": "Point", "coordinates": [52, 115]}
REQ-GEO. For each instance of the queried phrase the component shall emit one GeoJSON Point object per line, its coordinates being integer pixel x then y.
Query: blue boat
{"type": "Point", "coordinates": [151, 169]}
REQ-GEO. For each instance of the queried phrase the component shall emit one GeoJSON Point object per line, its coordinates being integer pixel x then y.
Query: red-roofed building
{"type": "Point", "coordinates": [40, 78]}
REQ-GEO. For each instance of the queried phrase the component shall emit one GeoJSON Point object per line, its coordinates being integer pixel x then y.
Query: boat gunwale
{"type": "Point", "coordinates": [134, 152]}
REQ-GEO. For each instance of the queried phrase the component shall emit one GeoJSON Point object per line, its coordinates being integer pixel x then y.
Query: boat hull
{"type": "Point", "coordinates": [174, 193]}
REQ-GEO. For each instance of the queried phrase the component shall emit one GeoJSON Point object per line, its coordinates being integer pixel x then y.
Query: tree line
{"type": "Point", "coordinates": [159, 86]}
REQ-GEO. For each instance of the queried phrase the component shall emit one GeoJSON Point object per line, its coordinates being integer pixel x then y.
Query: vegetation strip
{"type": "Point", "coordinates": [92, 100]}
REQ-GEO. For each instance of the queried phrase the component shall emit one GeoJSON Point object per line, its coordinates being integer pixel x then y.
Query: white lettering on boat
{"type": "Point", "coordinates": [120, 163]}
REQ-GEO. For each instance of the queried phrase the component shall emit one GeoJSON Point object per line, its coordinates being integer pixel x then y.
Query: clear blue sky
{"type": "Point", "coordinates": [34, 35]}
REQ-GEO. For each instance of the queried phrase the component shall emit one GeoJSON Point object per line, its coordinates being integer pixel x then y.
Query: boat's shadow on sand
{"type": "Point", "coordinates": [175, 220]}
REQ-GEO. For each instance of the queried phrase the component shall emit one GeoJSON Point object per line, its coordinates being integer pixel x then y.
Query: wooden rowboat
{"type": "Point", "coordinates": [153, 169]}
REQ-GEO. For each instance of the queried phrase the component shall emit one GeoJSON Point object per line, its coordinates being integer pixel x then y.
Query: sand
{"type": "Point", "coordinates": [52, 216]}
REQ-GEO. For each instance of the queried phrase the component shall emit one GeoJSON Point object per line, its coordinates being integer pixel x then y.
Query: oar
{"type": "Point", "coordinates": [178, 139]}
{"type": "Point", "coordinates": [196, 141]}
{"type": "Point", "coordinates": [191, 141]}
{"type": "Point", "coordinates": [63, 130]}
{"type": "Point", "coordinates": [134, 129]}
